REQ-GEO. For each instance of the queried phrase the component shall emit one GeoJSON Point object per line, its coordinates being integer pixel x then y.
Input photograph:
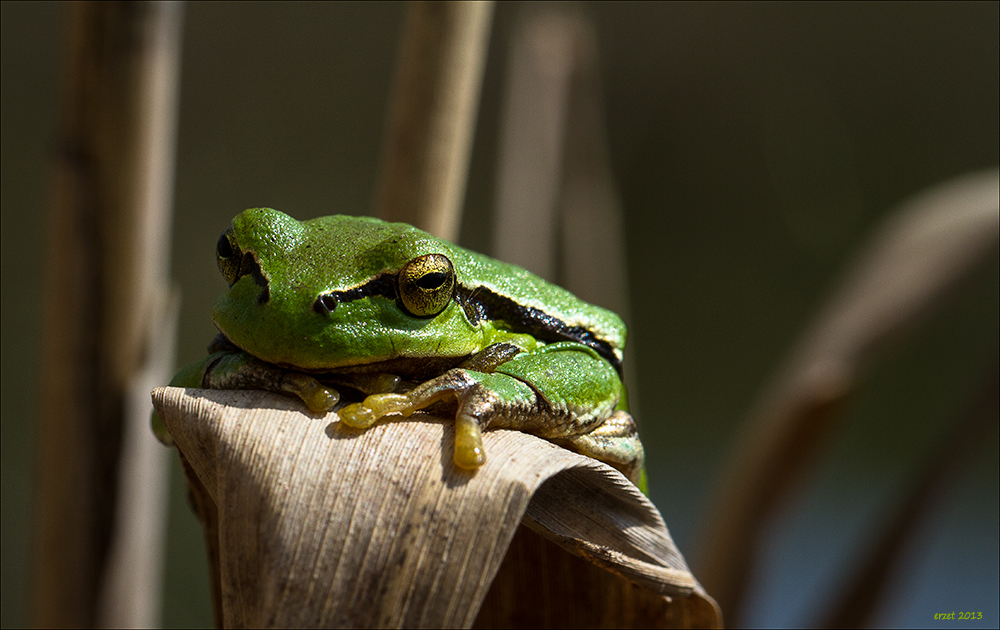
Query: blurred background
{"type": "Point", "coordinates": [753, 146]}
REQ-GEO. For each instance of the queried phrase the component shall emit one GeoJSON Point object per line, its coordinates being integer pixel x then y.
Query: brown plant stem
{"type": "Point", "coordinates": [105, 299]}
{"type": "Point", "coordinates": [432, 116]}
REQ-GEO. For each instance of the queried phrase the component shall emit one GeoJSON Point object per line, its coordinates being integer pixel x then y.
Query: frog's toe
{"type": "Point", "coordinates": [160, 430]}
{"type": "Point", "coordinates": [385, 404]}
{"type": "Point", "coordinates": [469, 453]}
{"type": "Point", "coordinates": [321, 399]}
{"type": "Point", "coordinates": [357, 416]}
{"type": "Point", "coordinates": [318, 397]}
{"type": "Point", "coordinates": [364, 414]}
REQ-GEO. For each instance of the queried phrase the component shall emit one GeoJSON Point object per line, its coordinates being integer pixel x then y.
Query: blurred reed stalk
{"type": "Point", "coordinates": [558, 212]}
{"type": "Point", "coordinates": [432, 116]}
{"type": "Point", "coordinates": [559, 215]}
{"type": "Point", "coordinates": [912, 263]}
{"type": "Point", "coordinates": [108, 320]}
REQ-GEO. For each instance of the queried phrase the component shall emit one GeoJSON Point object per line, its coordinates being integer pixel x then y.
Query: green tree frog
{"type": "Point", "coordinates": [406, 321]}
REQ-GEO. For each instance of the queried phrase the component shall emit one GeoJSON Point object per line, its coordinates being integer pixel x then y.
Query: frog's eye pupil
{"type": "Point", "coordinates": [228, 257]}
{"type": "Point", "coordinates": [224, 248]}
{"type": "Point", "coordinates": [432, 281]}
{"type": "Point", "coordinates": [426, 285]}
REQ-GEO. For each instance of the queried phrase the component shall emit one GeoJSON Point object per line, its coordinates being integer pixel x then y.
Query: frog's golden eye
{"type": "Point", "coordinates": [426, 285]}
{"type": "Point", "coordinates": [229, 257]}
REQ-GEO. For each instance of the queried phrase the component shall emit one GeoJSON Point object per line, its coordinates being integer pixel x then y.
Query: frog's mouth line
{"type": "Point", "coordinates": [417, 369]}
{"type": "Point", "coordinates": [407, 367]}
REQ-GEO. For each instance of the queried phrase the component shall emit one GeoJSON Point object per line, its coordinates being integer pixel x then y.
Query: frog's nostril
{"type": "Point", "coordinates": [325, 304]}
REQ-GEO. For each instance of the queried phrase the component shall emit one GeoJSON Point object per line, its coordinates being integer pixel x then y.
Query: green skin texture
{"type": "Point", "coordinates": [563, 391]}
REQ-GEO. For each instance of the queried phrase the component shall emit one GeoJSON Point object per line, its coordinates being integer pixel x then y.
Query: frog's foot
{"type": "Point", "coordinates": [474, 400]}
{"type": "Point", "coordinates": [615, 442]}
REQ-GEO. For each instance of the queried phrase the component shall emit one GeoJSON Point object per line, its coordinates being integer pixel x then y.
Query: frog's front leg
{"type": "Point", "coordinates": [480, 397]}
{"type": "Point", "coordinates": [231, 368]}
{"type": "Point", "coordinates": [235, 369]}
{"type": "Point", "coordinates": [563, 392]}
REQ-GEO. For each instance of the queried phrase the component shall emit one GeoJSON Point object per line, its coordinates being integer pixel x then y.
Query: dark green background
{"type": "Point", "coordinates": [753, 146]}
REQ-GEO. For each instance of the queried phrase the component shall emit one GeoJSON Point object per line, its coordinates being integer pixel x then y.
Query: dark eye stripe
{"type": "Point", "coordinates": [384, 285]}
{"type": "Point", "coordinates": [250, 267]}
{"type": "Point", "coordinates": [482, 304]}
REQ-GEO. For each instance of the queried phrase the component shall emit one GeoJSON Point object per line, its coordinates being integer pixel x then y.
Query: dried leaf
{"type": "Point", "coordinates": [321, 525]}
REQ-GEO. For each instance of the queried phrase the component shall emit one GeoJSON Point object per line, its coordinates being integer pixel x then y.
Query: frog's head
{"type": "Point", "coordinates": [338, 291]}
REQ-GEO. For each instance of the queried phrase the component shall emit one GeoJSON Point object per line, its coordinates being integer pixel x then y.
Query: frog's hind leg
{"type": "Point", "coordinates": [615, 442]}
